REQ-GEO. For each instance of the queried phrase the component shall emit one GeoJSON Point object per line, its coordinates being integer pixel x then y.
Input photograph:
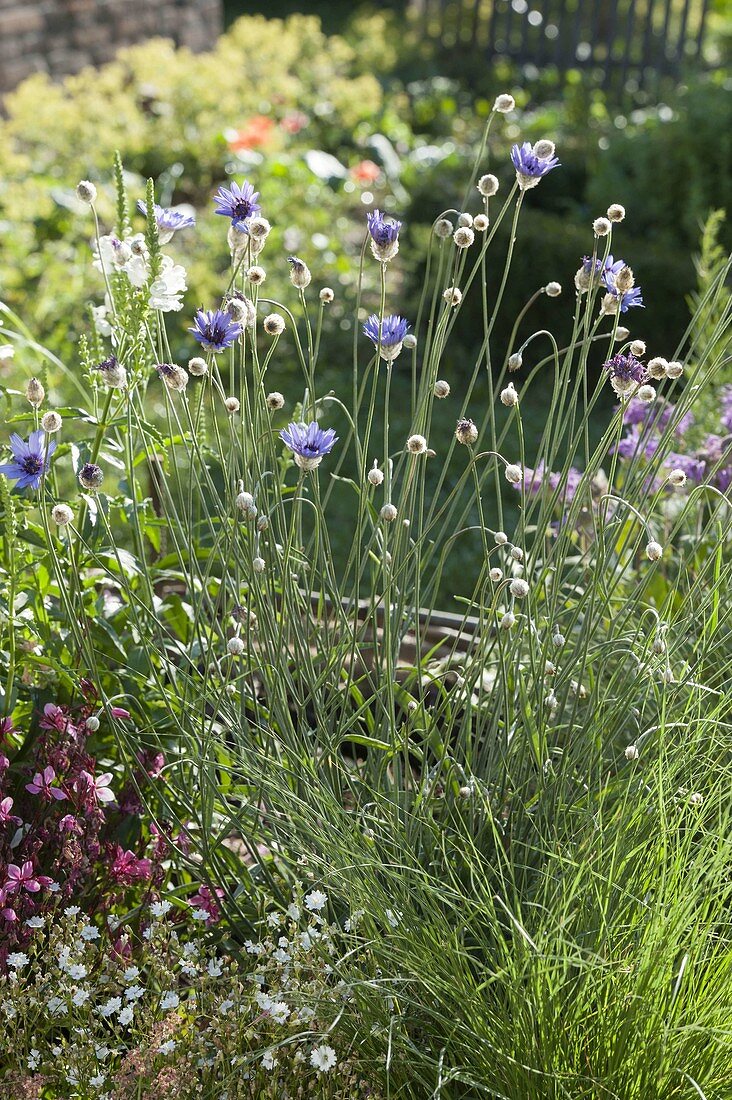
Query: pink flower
{"type": "Point", "coordinates": [206, 899]}
{"type": "Point", "coordinates": [22, 877]}
{"type": "Point", "coordinates": [69, 824]}
{"type": "Point", "coordinates": [42, 785]}
{"type": "Point", "coordinates": [5, 815]}
{"type": "Point", "coordinates": [119, 712]}
{"type": "Point", "coordinates": [95, 789]}
{"type": "Point", "coordinates": [128, 869]}
{"type": "Point", "coordinates": [57, 718]}
{"type": "Point", "coordinates": [6, 727]}
{"type": "Point", "coordinates": [6, 912]}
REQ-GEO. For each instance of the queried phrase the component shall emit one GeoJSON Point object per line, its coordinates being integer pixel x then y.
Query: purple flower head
{"type": "Point", "coordinates": [604, 269]}
{"type": "Point", "coordinates": [626, 299]}
{"type": "Point", "coordinates": [571, 484]}
{"type": "Point", "coordinates": [168, 221]}
{"type": "Point", "coordinates": [693, 466]}
{"type": "Point", "coordinates": [308, 443]}
{"type": "Point", "coordinates": [626, 372]}
{"type": "Point", "coordinates": [529, 167]}
{"type": "Point", "coordinates": [237, 203]}
{"type": "Point", "coordinates": [533, 480]}
{"type": "Point", "coordinates": [215, 329]}
{"type": "Point", "coordinates": [42, 784]}
{"type": "Point", "coordinates": [30, 460]}
{"type": "Point", "coordinates": [382, 229]}
{"type": "Point", "coordinates": [389, 334]}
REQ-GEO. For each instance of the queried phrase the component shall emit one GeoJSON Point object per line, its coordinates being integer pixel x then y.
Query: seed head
{"type": "Point", "coordinates": [453, 296]}
{"type": "Point", "coordinates": [61, 514]}
{"type": "Point", "coordinates": [677, 478]}
{"type": "Point", "coordinates": [654, 550]}
{"type": "Point", "coordinates": [86, 191]}
{"type": "Point", "coordinates": [51, 422]}
{"type": "Point", "coordinates": [275, 400]}
{"type": "Point", "coordinates": [34, 392]}
{"type": "Point", "coordinates": [553, 289]}
{"type": "Point", "coordinates": [519, 588]}
{"type": "Point", "coordinates": [174, 377]}
{"type": "Point", "coordinates": [409, 341]}
{"type": "Point", "coordinates": [514, 473]}
{"type": "Point", "coordinates": [500, 538]}
{"type": "Point", "coordinates": [245, 504]}
{"type": "Point", "coordinates": [241, 310]}
{"type": "Point", "coordinates": [327, 295]}
{"type": "Point", "coordinates": [388, 513]}
{"type": "Point", "coordinates": [274, 324]}
{"type": "Point", "coordinates": [463, 237]}
{"type": "Point", "coordinates": [496, 575]}
{"type": "Point", "coordinates": [480, 223]}
{"type": "Point", "coordinates": [235, 646]}
{"type": "Point", "coordinates": [231, 404]}
{"type": "Point", "coordinates": [416, 444]}
{"type": "Point", "coordinates": [625, 279]}
{"type": "Point", "coordinates": [256, 275]}
{"type": "Point", "coordinates": [504, 103]}
{"type": "Point", "coordinates": [300, 276]}
{"type": "Point", "coordinates": [601, 227]}
{"type": "Point", "coordinates": [517, 553]}
{"type": "Point", "coordinates": [509, 396]}
{"type": "Point", "coordinates": [443, 228]}
{"type": "Point", "coordinates": [442, 389]}
{"type": "Point", "coordinates": [465, 219]}
{"type": "Point", "coordinates": [91, 475]}
{"type": "Point", "coordinates": [488, 185]}
{"type": "Point", "coordinates": [544, 149]}
{"type": "Point", "coordinates": [466, 432]}
{"type": "Point", "coordinates": [674, 370]}
{"type": "Point", "coordinates": [621, 334]}
{"type": "Point", "coordinates": [638, 348]}
{"type": "Point", "coordinates": [631, 753]}
{"type": "Point", "coordinates": [646, 394]}
{"type": "Point", "coordinates": [259, 565]}
{"type": "Point", "coordinates": [197, 367]}
{"type": "Point", "coordinates": [515, 361]}
{"type": "Point", "coordinates": [616, 212]}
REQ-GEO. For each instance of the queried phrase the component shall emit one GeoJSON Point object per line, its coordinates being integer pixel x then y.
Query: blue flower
{"type": "Point", "coordinates": [389, 335]}
{"type": "Point", "coordinates": [168, 221]}
{"type": "Point", "coordinates": [308, 443]}
{"type": "Point", "coordinates": [604, 269]}
{"type": "Point", "coordinates": [627, 299]}
{"type": "Point", "coordinates": [237, 203]}
{"type": "Point", "coordinates": [626, 373]}
{"type": "Point", "coordinates": [529, 167]}
{"type": "Point", "coordinates": [384, 233]}
{"type": "Point", "coordinates": [30, 460]}
{"type": "Point", "coordinates": [215, 329]}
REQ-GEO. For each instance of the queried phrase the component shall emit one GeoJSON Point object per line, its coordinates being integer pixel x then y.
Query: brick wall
{"type": "Point", "coordinates": [61, 36]}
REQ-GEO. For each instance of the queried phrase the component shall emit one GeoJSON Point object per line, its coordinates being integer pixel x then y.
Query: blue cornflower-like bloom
{"type": "Point", "coordinates": [626, 373]}
{"type": "Point", "coordinates": [384, 233]}
{"type": "Point", "coordinates": [168, 221]}
{"type": "Point", "coordinates": [529, 167]}
{"type": "Point", "coordinates": [389, 334]}
{"type": "Point", "coordinates": [237, 203]}
{"type": "Point", "coordinates": [626, 299]}
{"type": "Point", "coordinates": [309, 443]}
{"type": "Point", "coordinates": [604, 269]}
{"type": "Point", "coordinates": [30, 460]}
{"type": "Point", "coordinates": [215, 329]}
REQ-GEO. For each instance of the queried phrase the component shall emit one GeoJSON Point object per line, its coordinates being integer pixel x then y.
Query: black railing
{"type": "Point", "coordinates": [630, 43]}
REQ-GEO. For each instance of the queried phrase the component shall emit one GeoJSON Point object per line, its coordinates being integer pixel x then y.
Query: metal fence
{"type": "Point", "coordinates": [631, 43]}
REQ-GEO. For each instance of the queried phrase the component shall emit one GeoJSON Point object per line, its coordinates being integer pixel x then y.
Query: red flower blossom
{"type": "Point", "coordinates": [256, 131]}
{"type": "Point", "coordinates": [365, 172]}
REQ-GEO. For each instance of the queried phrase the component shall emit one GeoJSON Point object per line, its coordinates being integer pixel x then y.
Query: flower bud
{"type": "Point", "coordinates": [488, 185]}
{"type": "Point", "coordinates": [86, 191]}
{"type": "Point", "coordinates": [480, 223]}
{"type": "Point", "coordinates": [519, 588]}
{"type": "Point", "coordinates": [496, 575]}
{"type": "Point", "coordinates": [443, 228]}
{"type": "Point", "coordinates": [51, 422]}
{"type": "Point", "coordinates": [646, 394]}
{"type": "Point", "coordinates": [601, 227]}
{"type": "Point", "coordinates": [241, 310]}
{"type": "Point", "coordinates": [514, 474]}
{"type": "Point", "coordinates": [677, 478]}
{"type": "Point", "coordinates": [274, 324]}
{"type": "Point", "coordinates": [504, 103]}
{"type": "Point", "coordinates": [631, 753]}
{"type": "Point", "coordinates": [327, 295]}
{"type": "Point", "coordinates": [231, 404]}
{"type": "Point", "coordinates": [245, 504]}
{"type": "Point", "coordinates": [235, 646]}
{"type": "Point", "coordinates": [558, 639]}
{"type": "Point", "coordinates": [638, 348]}
{"type": "Point", "coordinates": [197, 366]}
{"type": "Point", "coordinates": [259, 565]}
{"type": "Point", "coordinates": [466, 432]}
{"type": "Point", "coordinates": [553, 289]}
{"type": "Point", "coordinates": [616, 212]}
{"type": "Point", "coordinates": [263, 523]}
{"type": "Point", "coordinates": [463, 237]}
{"type": "Point", "coordinates": [625, 279]}
{"type": "Point", "coordinates": [509, 396]}
{"type": "Point", "coordinates": [517, 553]}
{"type": "Point", "coordinates": [442, 389]}
{"type": "Point", "coordinates": [91, 475]}
{"type": "Point", "coordinates": [275, 400]}
{"type": "Point", "coordinates": [61, 514]}
{"type": "Point", "coordinates": [409, 341]}
{"type": "Point", "coordinates": [300, 276]}
{"type": "Point", "coordinates": [465, 219]}
{"type": "Point", "coordinates": [621, 334]}
{"type": "Point", "coordinates": [375, 476]}
{"type": "Point", "coordinates": [654, 550]}
{"type": "Point", "coordinates": [674, 370]}
{"type": "Point", "coordinates": [500, 538]}
{"type": "Point", "coordinates": [453, 296]}
{"type": "Point", "coordinates": [515, 361]}
{"type": "Point", "coordinates": [388, 513]}
{"type": "Point", "coordinates": [544, 149]}
{"type": "Point", "coordinates": [34, 392]}
{"type": "Point", "coordinates": [657, 368]}
{"type": "Point", "coordinates": [508, 620]}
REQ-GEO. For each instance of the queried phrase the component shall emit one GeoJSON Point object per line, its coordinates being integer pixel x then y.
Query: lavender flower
{"type": "Point", "coordinates": [308, 443]}
{"type": "Point", "coordinates": [113, 373]}
{"type": "Point", "coordinates": [215, 329]}
{"type": "Point", "coordinates": [30, 460]}
{"type": "Point", "coordinates": [529, 167]}
{"type": "Point", "coordinates": [388, 336]}
{"type": "Point", "coordinates": [384, 233]}
{"type": "Point", "coordinates": [237, 203]}
{"type": "Point", "coordinates": [623, 299]}
{"type": "Point", "coordinates": [626, 373]}
{"type": "Point", "coordinates": [168, 221]}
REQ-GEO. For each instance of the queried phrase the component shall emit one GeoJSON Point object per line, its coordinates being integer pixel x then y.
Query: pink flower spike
{"type": "Point", "coordinates": [119, 712]}
{"type": "Point", "coordinates": [5, 815]}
